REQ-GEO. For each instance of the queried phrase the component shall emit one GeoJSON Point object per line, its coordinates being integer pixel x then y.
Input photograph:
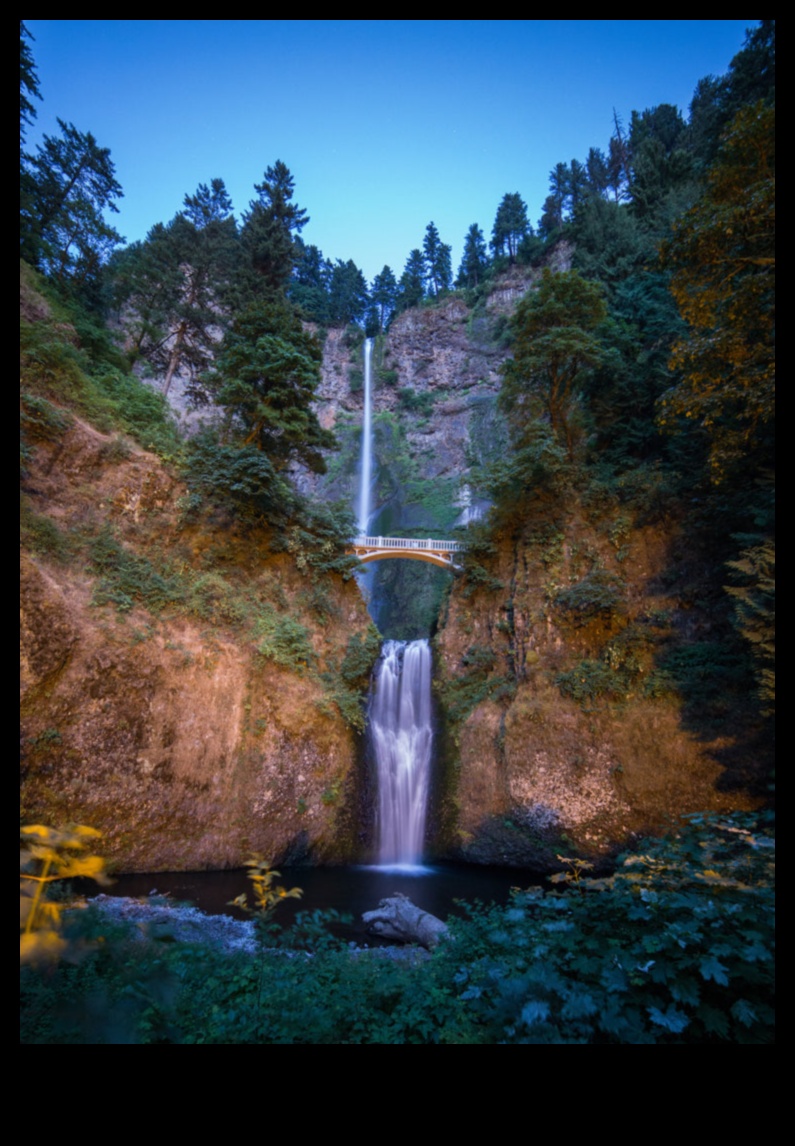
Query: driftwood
{"type": "Point", "coordinates": [398, 918]}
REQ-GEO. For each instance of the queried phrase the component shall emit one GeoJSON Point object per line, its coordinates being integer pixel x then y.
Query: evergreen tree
{"type": "Point", "coordinates": [348, 297]}
{"type": "Point", "coordinates": [510, 227]}
{"type": "Point", "coordinates": [268, 232]}
{"type": "Point", "coordinates": [554, 346]}
{"type": "Point", "coordinates": [660, 164]}
{"type": "Point", "coordinates": [265, 378]}
{"type": "Point", "coordinates": [723, 259]}
{"type": "Point", "coordinates": [311, 281]}
{"type": "Point", "coordinates": [596, 170]}
{"type": "Point", "coordinates": [177, 286]}
{"type": "Point", "coordinates": [63, 229]}
{"type": "Point", "coordinates": [384, 294]}
{"type": "Point", "coordinates": [475, 261]}
{"type": "Point", "coordinates": [557, 202]}
{"type": "Point", "coordinates": [412, 282]}
{"type": "Point", "coordinates": [28, 84]}
{"type": "Point", "coordinates": [437, 260]}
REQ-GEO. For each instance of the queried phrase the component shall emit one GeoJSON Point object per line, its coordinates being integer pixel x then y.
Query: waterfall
{"type": "Point", "coordinates": [365, 478]}
{"type": "Point", "coordinates": [401, 736]}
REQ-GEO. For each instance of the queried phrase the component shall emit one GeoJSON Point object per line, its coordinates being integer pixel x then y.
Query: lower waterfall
{"type": "Point", "coordinates": [401, 735]}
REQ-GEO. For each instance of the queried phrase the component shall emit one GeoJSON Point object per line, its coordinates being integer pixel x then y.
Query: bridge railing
{"type": "Point", "coordinates": [409, 543]}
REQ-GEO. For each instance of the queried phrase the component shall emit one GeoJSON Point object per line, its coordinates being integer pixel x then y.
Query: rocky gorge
{"type": "Point", "coordinates": [171, 718]}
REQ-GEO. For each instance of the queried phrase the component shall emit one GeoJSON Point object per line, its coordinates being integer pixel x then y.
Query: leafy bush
{"type": "Point", "coordinates": [47, 856]}
{"type": "Point", "coordinates": [39, 419]}
{"type": "Point", "coordinates": [477, 682]}
{"type": "Point", "coordinates": [282, 639]}
{"type": "Point", "coordinates": [126, 579]}
{"type": "Point", "coordinates": [597, 597]}
{"type": "Point", "coordinates": [416, 403]}
{"type": "Point", "coordinates": [676, 947]}
{"type": "Point", "coordinates": [588, 681]}
{"type": "Point", "coordinates": [43, 535]}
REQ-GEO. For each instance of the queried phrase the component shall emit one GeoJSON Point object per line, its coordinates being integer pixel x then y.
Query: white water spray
{"type": "Point", "coordinates": [401, 733]}
{"type": "Point", "coordinates": [365, 477]}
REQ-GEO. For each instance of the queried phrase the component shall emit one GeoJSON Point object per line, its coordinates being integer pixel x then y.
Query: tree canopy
{"type": "Point", "coordinates": [265, 378]}
{"type": "Point", "coordinates": [554, 344]}
{"type": "Point", "coordinates": [723, 259]}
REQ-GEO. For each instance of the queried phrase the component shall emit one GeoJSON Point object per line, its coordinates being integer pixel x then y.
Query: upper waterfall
{"type": "Point", "coordinates": [365, 476]}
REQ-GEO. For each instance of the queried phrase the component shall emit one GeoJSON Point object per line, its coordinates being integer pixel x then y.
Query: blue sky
{"type": "Point", "coordinates": [384, 124]}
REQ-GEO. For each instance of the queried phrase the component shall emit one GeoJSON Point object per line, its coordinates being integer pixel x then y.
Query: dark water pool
{"type": "Point", "coordinates": [353, 890]}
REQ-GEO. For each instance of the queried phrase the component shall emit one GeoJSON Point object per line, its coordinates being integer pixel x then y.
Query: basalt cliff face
{"type": "Point", "coordinates": [175, 732]}
{"type": "Point", "coordinates": [563, 732]}
{"type": "Point", "coordinates": [561, 726]}
{"type": "Point", "coordinates": [160, 720]}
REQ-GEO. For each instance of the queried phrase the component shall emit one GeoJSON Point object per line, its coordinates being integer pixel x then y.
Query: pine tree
{"type": "Point", "coordinates": [176, 287]}
{"type": "Point", "coordinates": [412, 281]}
{"type": "Point", "coordinates": [28, 84]}
{"type": "Point", "coordinates": [510, 227]}
{"type": "Point", "coordinates": [268, 232]}
{"type": "Point", "coordinates": [723, 259]}
{"type": "Point", "coordinates": [384, 294]}
{"type": "Point", "coordinates": [475, 260]}
{"type": "Point", "coordinates": [265, 378]}
{"type": "Point", "coordinates": [348, 296]}
{"type": "Point", "coordinates": [554, 346]}
{"type": "Point", "coordinates": [63, 228]}
{"type": "Point", "coordinates": [437, 260]}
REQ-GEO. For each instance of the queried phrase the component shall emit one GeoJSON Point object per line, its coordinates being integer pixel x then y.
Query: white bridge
{"type": "Point", "coordinates": [441, 553]}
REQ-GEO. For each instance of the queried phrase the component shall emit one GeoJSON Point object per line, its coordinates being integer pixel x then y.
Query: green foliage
{"type": "Point", "coordinates": [555, 344]}
{"type": "Point", "coordinates": [40, 420]}
{"type": "Point", "coordinates": [723, 258]}
{"type": "Point", "coordinates": [361, 653]}
{"type": "Point", "coordinates": [283, 639]}
{"type": "Point", "coordinates": [211, 597]}
{"type": "Point", "coordinates": [58, 372]}
{"type": "Point", "coordinates": [706, 675]}
{"type": "Point", "coordinates": [42, 534]}
{"type": "Point", "coordinates": [510, 227]}
{"type": "Point", "coordinates": [239, 477]}
{"type": "Point", "coordinates": [598, 596]}
{"type": "Point", "coordinates": [416, 403]}
{"type": "Point", "coordinates": [676, 947]}
{"type": "Point", "coordinates": [347, 687]}
{"type": "Point", "coordinates": [265, 378]}
{"type": "Point", "coordinates": [755, 610]}
{"type": "Point", "coordinates": [69, 185]}
{"type": "Point", "coordinates": [476, 681]}
{"type": "Point", "coordinates": [588, 682]}
{"type": "Point", "coordinates": [127, 579]}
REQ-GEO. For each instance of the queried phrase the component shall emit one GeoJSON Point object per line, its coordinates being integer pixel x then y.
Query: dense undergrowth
{"type": "Point", "coordinates": [675, 947]}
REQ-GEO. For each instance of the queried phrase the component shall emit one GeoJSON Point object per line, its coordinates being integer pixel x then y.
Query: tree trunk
{"type": "Point", "coordinates": [398, 918]}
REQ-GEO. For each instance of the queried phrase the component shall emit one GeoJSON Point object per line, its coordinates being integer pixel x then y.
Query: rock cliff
{"type": "Point", "coordinates": [150, 708]}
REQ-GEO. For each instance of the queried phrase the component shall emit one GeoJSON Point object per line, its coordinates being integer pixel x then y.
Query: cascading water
{"type": "Point", "coordinates": [366, 476]}
{"type": "Point", "coordinates": [399, 716]}
{"type": "Point", "coordinates": [401, 733]}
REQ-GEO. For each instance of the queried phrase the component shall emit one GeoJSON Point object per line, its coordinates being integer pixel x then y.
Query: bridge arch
{"type": "Point", "coordinates": [443, 554]}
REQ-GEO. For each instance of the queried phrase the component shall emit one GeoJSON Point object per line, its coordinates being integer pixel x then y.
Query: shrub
{"type": "Point", "coordinates": [597, 597]}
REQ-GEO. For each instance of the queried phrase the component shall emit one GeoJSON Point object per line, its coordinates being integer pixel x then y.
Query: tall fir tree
{"type": "Point", "coordinates": [268, 234]}
{"type": "Point", "coordinates": [72, 184]}
{"type": "Point", "coordinates": [475, 259]}
{"type": "Point", "coordinates": [510, 227]}
{"type": "Point", "coordinates": [437, 259]}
